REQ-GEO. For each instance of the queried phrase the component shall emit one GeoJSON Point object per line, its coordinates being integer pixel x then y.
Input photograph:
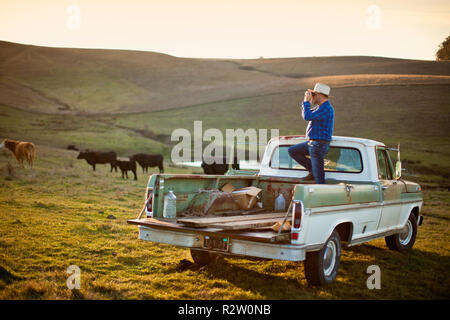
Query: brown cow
{"type": "Point", "coordinates": [72, 147]}
{"type": "Point", "coordinates": [149, 160]}
{"type": "Point", "coordinates": [218, 165]}
{"type": "Point", "coordinates": [126, 166]}
{"type": "Point", "coordinates": [93, 157]}
{"type": "Point", "coordinates": [21, 150]}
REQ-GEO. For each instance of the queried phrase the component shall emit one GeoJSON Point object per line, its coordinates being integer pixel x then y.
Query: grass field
{"type": "Point", "coordinates": [51, 220]}
{"type": "Point", "coordinates": [57, 214]}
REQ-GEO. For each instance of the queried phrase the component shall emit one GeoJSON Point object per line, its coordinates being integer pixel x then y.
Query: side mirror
{"type": "Point", "coordinates": [398, 164]}
{"type": "Point", "coordinates": [398, 170]}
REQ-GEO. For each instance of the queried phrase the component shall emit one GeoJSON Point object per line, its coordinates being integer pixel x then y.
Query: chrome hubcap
{"type": "Point", "coordinates": [406, 235]}
{"type": "Point", "coordinates": [329, 258]}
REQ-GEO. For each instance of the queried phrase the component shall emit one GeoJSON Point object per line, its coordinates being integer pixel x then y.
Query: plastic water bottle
{"type": "Point", "coordinates": [170, 205]}
{"type": "Point", "coordinates": [280, 203]}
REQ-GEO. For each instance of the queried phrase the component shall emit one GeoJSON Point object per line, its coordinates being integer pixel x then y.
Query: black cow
{"type": "Point", "coordinates": [219, 168]}
{"type": "Point", "coordinates": [93, 157]}
{"type": "Point", "coordinates": [72, 147]}
{"type": "Point", "coordinates": [126, 166]}
{"type": "Point", "coordinates": [148, 160]}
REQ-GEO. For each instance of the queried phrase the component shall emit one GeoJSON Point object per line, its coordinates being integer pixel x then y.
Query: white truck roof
{"type": "Point", "coordinates": [365, 142]}
{"type": "Point", "coordinates": [364, 146]}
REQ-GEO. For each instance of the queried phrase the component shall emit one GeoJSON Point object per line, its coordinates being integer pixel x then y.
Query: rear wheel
{"type": "Point", "coordinates": [201, 257]}
{"type": "Point", "coordinates": [321, 266]}
{"type": "Point", "coordinates": [404, 240]}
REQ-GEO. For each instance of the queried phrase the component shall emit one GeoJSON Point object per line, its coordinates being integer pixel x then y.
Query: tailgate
{"type": "Point", "coordinates": [263, 234]}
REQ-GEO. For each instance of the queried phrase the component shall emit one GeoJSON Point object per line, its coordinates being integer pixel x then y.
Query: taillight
{"type": "Point", "coordinates": [297, 213]}
{"type": "Point", "coordinates": [149, 203]}
{"type": "Point", "coordinates": [297, 216]}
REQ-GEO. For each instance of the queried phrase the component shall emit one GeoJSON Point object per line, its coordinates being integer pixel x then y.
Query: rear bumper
{"type": "Point", "coordinates": [236, 246]}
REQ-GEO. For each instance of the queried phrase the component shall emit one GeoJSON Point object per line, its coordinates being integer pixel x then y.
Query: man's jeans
{"type": "Point", "coordinates": [317, 151]}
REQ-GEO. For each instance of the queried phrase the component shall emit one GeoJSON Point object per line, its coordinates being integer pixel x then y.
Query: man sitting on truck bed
{"type": "Point", "coordinates": [318, 132]}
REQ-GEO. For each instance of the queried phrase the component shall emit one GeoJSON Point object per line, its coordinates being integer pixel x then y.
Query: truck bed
{"type": "Point", "coordinates": [195, 196]}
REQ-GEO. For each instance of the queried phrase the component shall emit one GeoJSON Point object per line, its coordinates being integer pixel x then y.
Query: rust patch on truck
{"type": "Point", "coordinates": [348, 192]}
{"type": "Point", "coordinates": [287, 138]}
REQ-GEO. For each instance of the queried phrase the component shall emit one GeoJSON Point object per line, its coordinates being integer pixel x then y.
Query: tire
{"type": "Point", "coordinates": [321, 266]}
{"type": "Point", "coordinates": [201, 257]}
{"type": "Point", "coordinates": [405, 240]}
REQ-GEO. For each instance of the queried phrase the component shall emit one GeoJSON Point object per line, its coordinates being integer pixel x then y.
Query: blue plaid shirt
{"type": "Point", "coordinates": [320, 126]}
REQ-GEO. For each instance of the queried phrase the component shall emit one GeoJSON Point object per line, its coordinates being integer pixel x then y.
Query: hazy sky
{"type": "Point", "coordinates": [233, 28]}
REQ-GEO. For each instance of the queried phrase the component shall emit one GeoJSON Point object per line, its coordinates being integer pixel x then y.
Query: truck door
{"type": "Point", "coordinates": [390, 191]}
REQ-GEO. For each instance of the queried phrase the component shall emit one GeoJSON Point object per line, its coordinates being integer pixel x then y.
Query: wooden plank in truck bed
{"type": "Point", "coordinates": [247, 224]}
{"type": "Point", "coordinates": [267, 236]}
{"type": "Point", "coordinates": [208, 221]}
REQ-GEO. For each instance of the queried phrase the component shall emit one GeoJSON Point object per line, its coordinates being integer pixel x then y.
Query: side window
{"type": "Point", "coordinates": [384, 170]}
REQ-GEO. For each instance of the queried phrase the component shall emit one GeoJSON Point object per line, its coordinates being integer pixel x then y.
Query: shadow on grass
{"type": "Point", "coordinates": [265, 285]}
{"type": "Point", "coordinates": [415, 274]}
{"type": "Point", "coordinates": [8, 276]}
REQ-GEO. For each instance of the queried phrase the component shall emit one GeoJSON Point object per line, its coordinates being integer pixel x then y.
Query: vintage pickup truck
{"type": "Point", "coordinates": [364, 198]}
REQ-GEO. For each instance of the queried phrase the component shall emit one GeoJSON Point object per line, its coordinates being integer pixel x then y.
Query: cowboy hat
{"type": "Point", "coordinates": [322, 88]}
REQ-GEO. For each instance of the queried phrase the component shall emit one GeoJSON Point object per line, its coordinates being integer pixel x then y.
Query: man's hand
{"type": "Point", "coordinates": [308, 96]}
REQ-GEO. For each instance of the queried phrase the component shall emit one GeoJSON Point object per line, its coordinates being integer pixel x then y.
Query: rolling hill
{"type": "Point", "coordinates": [87, 81]}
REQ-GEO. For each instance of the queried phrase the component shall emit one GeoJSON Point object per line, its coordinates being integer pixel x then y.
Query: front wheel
{"type": "Point", "coordinates": [404, 240]}
{"type": "Point", "coordinates": [321, 266]}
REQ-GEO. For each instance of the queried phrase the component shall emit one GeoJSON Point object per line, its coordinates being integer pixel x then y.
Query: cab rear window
{"type": "Point", "coordinates": [338, 159]}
